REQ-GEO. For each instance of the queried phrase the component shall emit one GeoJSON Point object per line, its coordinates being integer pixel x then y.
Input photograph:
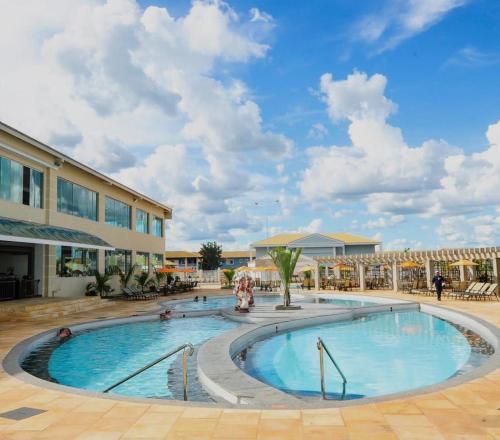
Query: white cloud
{"type": "Point", "coordinates": [317, 131]}
{"type": "Point", "coordinates": [114, 84]}
{"type": "Point", "coordinates": [403, 243]}
{"type": "Point", "coordinates": [314, 226]}
{"type": "Point", "coordinates": [402, 19]}
{"type": "Point", "coordinates": [474, 231]}
{"type": "Point", "coordinates": [470, 56]}
{"type": "Point", "coordinates": [384, 222]}
{"type": "Point", "coordinates": [379, 161]}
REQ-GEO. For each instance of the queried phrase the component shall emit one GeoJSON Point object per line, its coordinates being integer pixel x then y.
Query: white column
{"type": "Point", "coordinates": [362, 283]}
{"type": "Point", "coordinates": [496, 269]}
{"type": "Point", "coordinates": [428, 272]}
{"type": "Point", "coordinates": [326, 271]}
{"type": "Point", "coordinates": [395, 277]}
{"type": "Point", "coordinates": [462, 273]}
{"type": "Point", "coordinates": [316, 275]}
{"type": "Point", "coordinates": [185, 262]}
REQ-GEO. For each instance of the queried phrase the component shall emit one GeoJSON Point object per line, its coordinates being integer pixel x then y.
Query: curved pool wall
{"type": "Point", "coordinates": [229, 382]}
{"type": "Point", "coordinates": [230, 385]}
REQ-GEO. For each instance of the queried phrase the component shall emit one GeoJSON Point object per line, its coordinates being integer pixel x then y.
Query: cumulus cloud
{"type": "Point", "coordinates": [469, 230]}
{"type": "Point", "coordinates": [314, 226]}
{"type": "Point", "coordinates": [378, 161]}
{"type": "Point", "coordinates": [384, 222]}
{"type": "Point", "coordinates": [399, 20]}
{"type": "Point", "coordinates": [317, 131]}
{"type": "Point", "coordinates": [403, 243]}
{"type": "Point", "coordinates": [115, 85]}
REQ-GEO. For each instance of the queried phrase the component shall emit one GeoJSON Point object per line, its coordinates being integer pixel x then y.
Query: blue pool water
{"type": "Point", "coordinates": [96, 359]}
{"type": "Point", "coordinates": [344, 302]}
{"type": "Point", "coordinates": [380, 354]}
{"type": "Point", "coordinates": [224, 302]}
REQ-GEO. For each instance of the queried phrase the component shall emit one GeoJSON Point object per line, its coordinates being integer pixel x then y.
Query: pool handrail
{"type": "Point", "coordinates": [322, 347]}
{"type": "Point", "coordinates": [186, 353]}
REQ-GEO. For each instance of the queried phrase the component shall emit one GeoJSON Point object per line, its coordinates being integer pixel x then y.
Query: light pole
{"type": "Point", "coordinates": [269, 203]}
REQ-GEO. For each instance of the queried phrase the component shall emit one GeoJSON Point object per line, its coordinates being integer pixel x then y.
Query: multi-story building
{"type": "Point", "coordinates": [61, 220]}
{"type": "Point", "coordinates": [330, 244]}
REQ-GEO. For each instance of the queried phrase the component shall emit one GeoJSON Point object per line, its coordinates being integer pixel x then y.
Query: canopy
{"type": "Point", "coordinates": [464, 263]}
{"type": "Point", "coordinates": [36, 233]}
{"type": "Point", "coordinates": [410, 265]}
{"type": "Point", "coordinates": [306, 269]}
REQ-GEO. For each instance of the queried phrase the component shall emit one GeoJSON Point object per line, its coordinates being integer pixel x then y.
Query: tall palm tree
{"type": "Point", "coordinates": [285, 261]}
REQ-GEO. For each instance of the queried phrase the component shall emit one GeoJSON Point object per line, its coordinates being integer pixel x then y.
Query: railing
{"type": "Point", "coordinates": [322, 348]}
{"type": "Point", "coordinates": [188, 351]}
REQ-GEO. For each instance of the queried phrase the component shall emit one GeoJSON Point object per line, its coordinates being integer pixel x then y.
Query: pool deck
{"type": "Point", "coordinates": [468, 411]}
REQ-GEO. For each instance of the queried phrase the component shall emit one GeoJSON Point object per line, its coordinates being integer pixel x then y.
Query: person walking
{"type": "Point", "coordinates": [438, 282]}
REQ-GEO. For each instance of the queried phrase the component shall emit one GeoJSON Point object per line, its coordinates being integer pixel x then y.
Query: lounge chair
{"type": "Point", "coordinates": [471, 291]}
{"type": "Point", "coordinates": [489, 292]}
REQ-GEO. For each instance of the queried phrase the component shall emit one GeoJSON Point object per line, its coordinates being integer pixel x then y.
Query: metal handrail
{"type": "Point", "coordinates": [322, 347]}
{"type": "Point", "coordinates": [186, 353]}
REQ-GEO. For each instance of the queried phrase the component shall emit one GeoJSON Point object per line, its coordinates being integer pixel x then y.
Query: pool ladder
{"type": "Point", "coordinates": [323, 349]}
{"type": "Point", "coordinates": [187, 349]}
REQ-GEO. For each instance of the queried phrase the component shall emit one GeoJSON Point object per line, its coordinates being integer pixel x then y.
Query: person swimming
{"type": "Point", "coordinates": [204, 298]}
{"type": "Point", "coordinates": [195, 298]}
{"type": "Point", "coordinates": [167, 314]}
{"type": "Point", "coordinates": [64, 333]}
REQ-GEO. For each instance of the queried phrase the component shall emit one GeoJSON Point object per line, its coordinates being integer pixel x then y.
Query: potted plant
{"type": "Point", "coordinates": [143, 280]}
{"type": "Point", "coordinates": [100, 286]}
{"type": "Point", "coordinates": [229, 275]}
{"type": "Point", "coordinates": [285, 261]}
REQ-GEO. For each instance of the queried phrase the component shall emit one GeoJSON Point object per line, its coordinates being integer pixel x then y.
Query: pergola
{"type": "Point", "coordinates": [425, 257]}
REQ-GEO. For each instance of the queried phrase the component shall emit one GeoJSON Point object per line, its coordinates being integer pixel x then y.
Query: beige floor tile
{"type": "Point", "coordinates": [280, 414]}
{"type": "Point", "coordinates": [235, 431]}
{"type": "Point", "coordinates": [99, 435]}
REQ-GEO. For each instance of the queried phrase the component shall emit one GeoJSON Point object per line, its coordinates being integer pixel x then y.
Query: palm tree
{"type": "Point", "coordinates": [101, 284]}
{"type": "Point", "coordinates": [143, 280]}
{"type": "Point", "coordinates": [229, 274]}
{"type": "Point", "coordinates": [285, 261]}
{"type": "Point", "coordinates": [126, 277]}
{"type": "Point", "coordinates": [158, 277]}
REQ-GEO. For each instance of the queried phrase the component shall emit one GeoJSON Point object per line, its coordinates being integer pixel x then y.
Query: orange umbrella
{"type": "Point", "coordinates": [167, 270]}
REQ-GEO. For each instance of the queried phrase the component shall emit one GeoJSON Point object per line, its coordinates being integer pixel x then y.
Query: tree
{"type": "Point", "coordinates": [101, 284]}
{"type": "Point", "coordinates": [142, 279]}
{"type": "Point", "coordinates": [211, 254]}
{"type": "Point", "coordinates": [229, 274]}
{"type": "Point", "coordinates": [126, 277]}
{"type": "Point", "coordinates": [285, 261]}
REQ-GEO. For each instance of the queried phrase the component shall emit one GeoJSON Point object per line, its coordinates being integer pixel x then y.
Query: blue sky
{"type": "Point", "coordinates": [377, 118]}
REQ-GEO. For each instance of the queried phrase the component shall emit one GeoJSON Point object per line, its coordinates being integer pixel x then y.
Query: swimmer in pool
{"type": "Point", "coordinates": [64, 333]}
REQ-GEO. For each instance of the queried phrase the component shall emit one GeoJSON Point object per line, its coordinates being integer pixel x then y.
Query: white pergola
{"type": "Point", "coordinates": [395, 258]}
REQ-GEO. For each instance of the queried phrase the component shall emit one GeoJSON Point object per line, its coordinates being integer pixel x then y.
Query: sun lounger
{"type": "Point", "coordinates": [473, 290]}
{"type": "Point", "coordinates": [489, 292]}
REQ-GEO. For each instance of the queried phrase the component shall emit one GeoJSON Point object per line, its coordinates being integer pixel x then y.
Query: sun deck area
{"type": "Point", "coordinates": [467, 411]}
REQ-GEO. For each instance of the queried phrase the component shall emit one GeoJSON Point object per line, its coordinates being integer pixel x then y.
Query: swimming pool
{"type": "Point", "coordinates": [224, 302]}
{"type": "Point", "coordinates": [96, 359]}
{"type": "Point", "coordinates": [221, 302]}
{"type": "Point", "coordinates": [379, 354]}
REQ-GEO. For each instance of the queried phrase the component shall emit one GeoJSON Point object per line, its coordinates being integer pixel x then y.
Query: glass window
{"type": "Point", "coordinates": [157, 261]}
{"type": "Point", "coordinates": [157, 227]}
{"type": "Point", "coordinates": [75, 262]}
{"type": "Point", "coordinates": [141, 221]}
{"type": "Point", "coordinates": [119, 258]}
{"type": "Point", "coordinates": [142, 261]}
{"type": "Point", "coordinates": [76, 200]}
{"type": "Point", "coordinates": [20, 184]}
{"type": "Point", "coordinates": [117, 213]}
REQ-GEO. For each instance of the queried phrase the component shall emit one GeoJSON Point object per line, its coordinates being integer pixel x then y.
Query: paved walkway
{"type": "Point", "coordinates": [470, 411]}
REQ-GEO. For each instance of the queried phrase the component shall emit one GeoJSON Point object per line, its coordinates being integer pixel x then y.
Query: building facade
{"type": "Point", "coordinates": [193, 260]}
{"type": "Point", "coordinates": [61, 220]}
{"type": "Point", "coordinates": [329, 244]}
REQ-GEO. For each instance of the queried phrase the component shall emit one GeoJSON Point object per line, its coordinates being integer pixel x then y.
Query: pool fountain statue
{"type": "Point", "coordinates": [244, 292]}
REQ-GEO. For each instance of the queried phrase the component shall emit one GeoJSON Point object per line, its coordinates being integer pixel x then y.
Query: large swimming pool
{"type": "Point", "coordinates": [224, 302]}
{"type": "Point", "coordinates": [380, 354]}
{"type": "Point", "coordinates": [96, 359]}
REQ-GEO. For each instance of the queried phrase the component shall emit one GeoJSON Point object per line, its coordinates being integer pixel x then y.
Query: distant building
{"type": "Point", "coordinates": [193, 260]}
{"type": "Point", "coordinates": [184, 259]}
{"type": "Point", "coordinates": [235, 259]}
{"type": "Point", "coordinates": [318, 244]}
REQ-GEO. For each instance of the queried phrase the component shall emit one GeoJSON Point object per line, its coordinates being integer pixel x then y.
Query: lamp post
{"type": "Point", "coordinates": [269, 203]}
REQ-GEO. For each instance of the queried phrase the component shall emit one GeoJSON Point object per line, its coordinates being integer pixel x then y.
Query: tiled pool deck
{"type": "Point", "coordinates": [469, 411]}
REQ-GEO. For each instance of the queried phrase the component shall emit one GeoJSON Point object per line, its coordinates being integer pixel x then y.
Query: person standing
{"type": "Point", "coordinates": [438, 282]}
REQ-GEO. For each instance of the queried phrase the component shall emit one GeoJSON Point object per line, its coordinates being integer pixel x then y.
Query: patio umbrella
{"type": "Point", "coordinates": [167, 270]}
{"type": "Point", "coordinates": [464, 263]}
{"type": "Point", "coordinates": [410, 265]}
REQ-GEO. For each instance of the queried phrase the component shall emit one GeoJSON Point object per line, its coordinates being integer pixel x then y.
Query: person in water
{"type": "Point", "coordinates": [204, 298]}
{"type": "Point", "coordinates": [64, 333]}
{"type": "Point", "coordinates": [167, 314]}
{"type": "Point", "coordinates": [195, 298]}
